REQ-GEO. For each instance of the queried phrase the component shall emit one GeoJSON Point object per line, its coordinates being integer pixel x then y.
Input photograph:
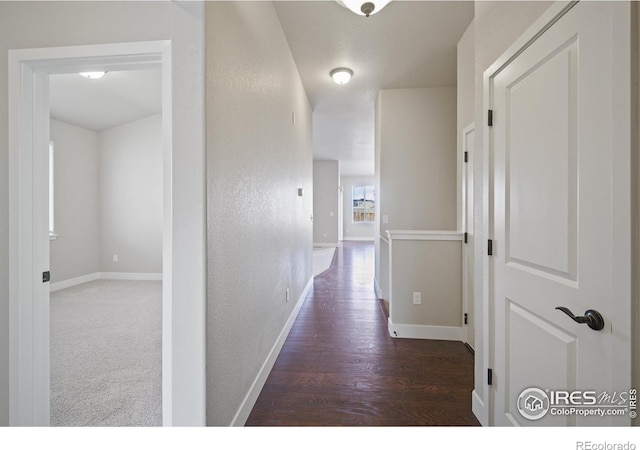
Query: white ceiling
{"type": "Point", "coordinates": [408, 44]}
{"type": "Point", "coordinates": [113, 100]}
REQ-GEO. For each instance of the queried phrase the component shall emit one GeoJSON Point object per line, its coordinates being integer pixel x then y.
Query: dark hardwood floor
{"type": "Point", "coordinates": [339, 366]}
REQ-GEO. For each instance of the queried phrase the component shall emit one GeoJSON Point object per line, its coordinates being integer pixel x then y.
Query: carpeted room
{"type": "Point", "coordinates": [106, 249]}
{"type": "Point", "coordinates": [106, 337]}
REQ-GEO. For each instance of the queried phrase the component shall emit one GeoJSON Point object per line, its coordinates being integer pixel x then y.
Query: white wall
{"type": "Point", "coordinates": [130, 180]}
{"type": "Point", "coordinates": [466, 80]}
{"type": "Point", "coordinates": [75, 251]}
{"type": "Point", "coordinates": [108, 199]}
{"type": "Point", "coordinates": [50, 24]}
{"type": "Point", "coordinates": [418, 159]}
{"type": "Point", "coordinates": [259, 229]}
{"type": "Point", "coordinates": [351, 230]}
{"type": "Point", "coordinates": [432, 268]}
{"type": "Point", "coordinates": [417, 168]}
{"type": "Point", "coordinates": [326, 181]}
{"type": "Point", "coordinates": [415, 163]}
{"type": "Point", "coordinates": [465, 97]}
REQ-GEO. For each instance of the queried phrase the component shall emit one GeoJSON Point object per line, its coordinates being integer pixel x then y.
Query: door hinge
{"type": "Point", "coordinates": [466, 319]}
{"type": "Point", "coordinates": [490, 117]}
{"type": "Point", "coordinates": [466, 156]}
{"type": "Point", "coordinates": [490, 248]}
{"type": "Point", "coordinates": [46, 276]}
{"type": "Point", "coordinates": [466, 238]}
{"type": "Point", "coordinates": [490, 377]}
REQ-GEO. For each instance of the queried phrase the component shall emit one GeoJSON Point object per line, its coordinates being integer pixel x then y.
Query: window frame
{"type": "Point", "coordinates": [52, 224]}
{"type": "Point", "coordinates": [367, 210]}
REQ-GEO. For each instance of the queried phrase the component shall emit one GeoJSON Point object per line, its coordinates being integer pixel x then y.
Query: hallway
{"type": "Point", "coordinates": [340, 367]}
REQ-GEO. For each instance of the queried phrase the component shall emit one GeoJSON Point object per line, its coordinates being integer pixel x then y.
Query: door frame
{"type": "Point", "coordinates": [624, 222]}
{"type": "Point", "coordinates": [340, 210]}
{"type": "Point", "coordinates": [467, 296]}
{"type": "Point", "coordinates": [29, 71]}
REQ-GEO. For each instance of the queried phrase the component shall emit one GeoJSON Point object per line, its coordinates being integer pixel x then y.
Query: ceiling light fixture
{"type": "Point", "coordinates": [364, 8]}
{"type": "Point", "coordinates": [93, 75]}
{"type": "Point", "coordinates": [341, 75]}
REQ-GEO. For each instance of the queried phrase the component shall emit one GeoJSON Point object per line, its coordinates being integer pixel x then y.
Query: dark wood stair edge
{"type": "Point", "coordinates": [470, 348]}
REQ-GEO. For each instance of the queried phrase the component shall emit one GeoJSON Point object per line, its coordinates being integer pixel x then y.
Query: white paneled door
{"type": "Point", "coordinates": [560, 189]}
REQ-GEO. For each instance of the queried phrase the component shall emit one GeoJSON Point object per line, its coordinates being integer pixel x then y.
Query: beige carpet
{"type": "Point", "coordinates": [106, 342]}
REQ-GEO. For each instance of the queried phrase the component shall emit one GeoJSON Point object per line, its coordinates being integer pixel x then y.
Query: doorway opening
{"type": "Point", "coordinates": [29, 105]}
{"type": "Point", "coordinates": [105, 225]}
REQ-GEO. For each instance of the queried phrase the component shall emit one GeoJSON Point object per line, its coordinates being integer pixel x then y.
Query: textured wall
{"type": "Point", "coordinates": [259, 229]}
{"type": "Point", "coordinates": [326, 180]}
{"type": "Point", "coordinates": [130, 180]}
{"type": "Point", "coordinates": [75, 251]}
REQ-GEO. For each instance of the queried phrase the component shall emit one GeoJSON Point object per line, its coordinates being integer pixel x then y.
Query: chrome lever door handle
{"type": "Point", "coordinates": [591, 317]}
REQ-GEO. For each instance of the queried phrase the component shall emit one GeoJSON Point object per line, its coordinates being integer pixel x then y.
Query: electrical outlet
{"type": "Point", "coordinates": [286, 296]}
{"type": "Point", "coordinates": [417, 298]}
{"type": "Point", "coordinates": [115, 258]}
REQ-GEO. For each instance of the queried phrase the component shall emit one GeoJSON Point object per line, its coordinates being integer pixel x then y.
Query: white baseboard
{"type": "Point", "coordinates": [104, 276]}
{"type": "Point", "coordinates": [131, 276]}
{"type": "Point", "coordinates": [73, 281]}
{"type": "Point", "coordinates": [321, 244]}
{"type": "Point", "coordinates": [376, 288]}
{"type": "Point", "coordinates": [369, 239]}
{"type": "Point", "coordinates": [258, 383]}
{"type": "Point", "coordinates": [425, 332]}
{"type": "Point", "coordinates": [479, 409]}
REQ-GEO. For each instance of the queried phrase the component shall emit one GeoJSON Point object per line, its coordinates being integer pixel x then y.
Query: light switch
{"type": "Point", "coordinates": [385, 219]}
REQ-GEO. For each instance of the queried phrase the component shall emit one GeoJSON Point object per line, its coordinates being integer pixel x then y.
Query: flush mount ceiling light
{"type": "Point", "coordinates": [364, 8]}
{"type": "Point", "coordinates": [93, 75]}
{"type": "Point", "coordinates": [341, 75]}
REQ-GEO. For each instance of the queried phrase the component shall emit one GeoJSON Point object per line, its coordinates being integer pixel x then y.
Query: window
{"type": "Point", "coordinates": [51, 223]}
{"type": "Point", "coordinates": [364, 203]}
